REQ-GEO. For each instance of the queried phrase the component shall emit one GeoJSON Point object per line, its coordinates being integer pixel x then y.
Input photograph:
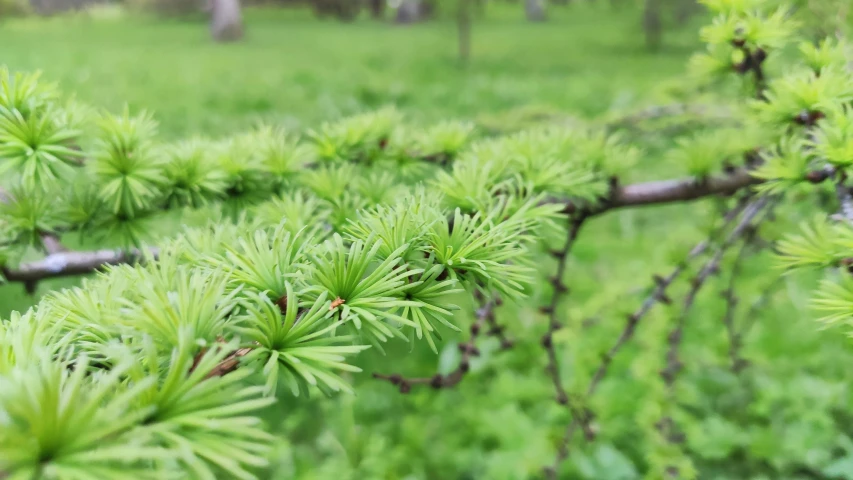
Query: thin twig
{"type": "Point", "coordinates": [845, 199]}
{"type": "Point", "coordinates": [736, 362]}
{"type": "Point", "coordinates": [658, 295]}
{"type": "Point", "coordinates": [468, 350]}
{"type": "Point", "coordinates": [752, 314]}
{"type": "Point", "coordinates": [667, 425]}
{"type": "Point", "coordinates": [554, 324]}
{"type": "Point", "coordinates": [673, 362]}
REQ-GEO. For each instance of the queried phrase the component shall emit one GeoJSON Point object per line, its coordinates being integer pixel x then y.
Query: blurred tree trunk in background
{"type": "Point", "coordinates": [377, 8]}
{"type": "Point", "coordinates": [480, 7]}
{"type": "Point", "coordinates": [463, 20]}
{"type": "Point", "coordinates": [685, 10]}
{"type": "Point", "coordinates": [410, 11]}
{"type": "Point", "coordinates": [344, 10]}
{"type": "Point", "coordinates": [535, 10]}
{"type": "Point", "coordinates": [226, 22]}
{"type": "Point", "coordinates": [652, 24]}
{"type": "Point", "coordinates": [51, 7]}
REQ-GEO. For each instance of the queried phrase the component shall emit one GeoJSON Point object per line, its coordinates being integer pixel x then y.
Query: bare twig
{"type": "Point", "coordinates": [736, 362]}
{"type": "Point", "coordinates": [72, 263]}
{"type": "Point", "coordinates": [468, 350]}
{"type": "Point", "coordinates": [667, 425]}
{"type": "Point", "coordinates": [674, 364]}
{"type": "Point", "coordinates": [560, 290]}
{"type": "Point", "coordinates": [845, 199]}
{"type": "Point", "coordinates": [658, 295]}
{"type": "Point", "coordinates": [655, 112]}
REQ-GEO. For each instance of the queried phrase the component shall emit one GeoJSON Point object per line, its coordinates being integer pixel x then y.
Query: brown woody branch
{"type": "Point", "coordinates": [845, 198]}
{"type": "Point", "coordinates": [667, 425]}
{"type": "Point", "coordinates": [560, 291]}
{"type": "Point", "coordinates": [676, 190]}
{"type": "Point", "coordinates": [658, 295]}
{"type": "Point", "coordinates": [736, 361]}
{"type": "Point", "coordinates": [66, 264]}
{"type": "Point", "coordinates": [633, 195]}
{"type": "Point", "coordinates": [674, 364]}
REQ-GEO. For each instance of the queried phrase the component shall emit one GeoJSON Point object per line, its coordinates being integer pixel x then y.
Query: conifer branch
{"type": "Point", "coordinates": [737, 363]}
{"type": "Point", "coordinates": [554, 324]}
{"type": "Point", "coordinates": [485, 314]}
{"type": "Point", "coordinates": [65, 264]}
{"type": "Point", "coordinates": [656, 112]}
{"type": "Point", "coordinates": [711, 267]}
{"type": "Point", "coordinates": [845, 198]}
{"type": "Point", "coordinates": [632, 195]}
{"type": "Point", "coordinates": [658, 295]}
{"type": "Point", "coordinates": [678, 190]}
{"type": "Point", "coordinates": [52, 244]}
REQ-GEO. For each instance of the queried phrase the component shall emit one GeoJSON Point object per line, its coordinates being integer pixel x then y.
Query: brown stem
{"type": "Point", "coordinates": [667, 425]}
{"type": "Point", "coordinates": [468, 350]}
{"type": "Point", "coordinates": [634, 195]}
{"type": "Point", "coordinates": [560, 291]}
{"type": "Point", "coordinates": [736, 362]}
{"type": "Point", "coordinates": [674, 364]}
{"type": "Point", "coordinates": [845, 199]}
{"type": "Point", "coordinates": [72, 263]}
{"type": "Point", "coordinates": [658, 295]}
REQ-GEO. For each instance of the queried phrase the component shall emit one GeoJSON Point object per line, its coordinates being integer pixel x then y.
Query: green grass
{"type": "Point", "coordinates": [294, 70]}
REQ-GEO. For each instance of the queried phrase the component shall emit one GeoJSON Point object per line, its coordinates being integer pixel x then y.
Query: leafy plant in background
{"type": "Point", "coordinates": [368, 233]}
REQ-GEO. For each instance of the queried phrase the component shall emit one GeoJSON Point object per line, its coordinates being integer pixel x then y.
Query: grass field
{"type": "Point", "coordinates": [299, 71]}
{"type": "Point", "coordinates": [586, 61]}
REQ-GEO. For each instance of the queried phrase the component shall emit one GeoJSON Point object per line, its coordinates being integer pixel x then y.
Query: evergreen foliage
{"type": "Point", "coordinates": [370, 231]}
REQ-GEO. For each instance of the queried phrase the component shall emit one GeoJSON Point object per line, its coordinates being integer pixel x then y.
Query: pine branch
{"type": "Point", "coordinates": [674, 364]}
{"type": "Point", "coordinates": [633, 195]}
{"type": "Point", "coordinates": [658, 295]}
{"type": "Point", "coordinates": [52, 244]}
{"type": "Point", "coordinates": [66, 264]}
{"type": "Point", "coordinates": [655, 112]}
{"type": "Point", "coordinates": [667, 191]}
{"type": "Point", "coordinates": [485, 314]}
{"type": "Point", "coordinates": [737, 363]}
{"type": "Point", "coordinates": [667, 425]}
{"type": "Point", "coordinates": [845, 198]}
{"type": "Point", "coordinates": [560, 291]}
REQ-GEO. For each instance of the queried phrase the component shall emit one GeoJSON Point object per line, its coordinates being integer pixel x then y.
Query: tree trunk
{"type": "Point", "coordinates": [377, 9]}
{"type": "Point", "coordinates": [410, 11]}
{"type": "Point", "coordinates": [226, 22]}
{"type": "Point", "coordinates": [463, 21]}
{"type": "Point", "coordinates": [684, 10]}
{"type": "Point", "coordinates": [652, 24]}
{"type": "Point", "coordinates": [535, 10]}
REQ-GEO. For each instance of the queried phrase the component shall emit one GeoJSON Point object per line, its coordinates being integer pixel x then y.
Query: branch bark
{"type": "Point", "coordinates": [66, 264]}
{"type": "Point", "coordinates": [632, 195]}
